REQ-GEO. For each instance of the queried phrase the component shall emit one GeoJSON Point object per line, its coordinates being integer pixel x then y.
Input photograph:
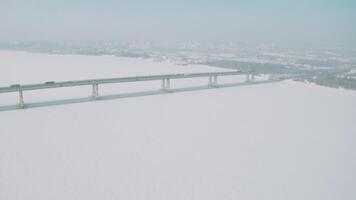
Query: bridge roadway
{"type": "Point", "coordinates": [212, 81]}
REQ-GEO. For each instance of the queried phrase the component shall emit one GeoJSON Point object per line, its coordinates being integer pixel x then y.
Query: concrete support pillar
{"type": "Point", "coordinates": [163, 84]}
{"type": "Point", "coordinates": [247, 78]}
{"type": "Point", "coordinates": [215, 80]}
{"type": "Point", "coordinates": [95, 91]}
{"type": "Point", "coordinates": [210, 83]}
{"type": "Point", "coordinates": [166, 85]}
{"type": "Point", "coordinates": [21, 100]}
{"type": "Point", "coordinates": [252, 78]}
{"type": "Point", "coordinates": [273, 77]}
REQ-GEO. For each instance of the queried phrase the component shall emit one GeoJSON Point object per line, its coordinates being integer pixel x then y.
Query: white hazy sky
{"type": "Point", "coordinates": [281, 21]}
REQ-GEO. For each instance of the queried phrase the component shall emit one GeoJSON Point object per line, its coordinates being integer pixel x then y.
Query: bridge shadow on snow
{"type": "Point", "coordinates": [122, 96]}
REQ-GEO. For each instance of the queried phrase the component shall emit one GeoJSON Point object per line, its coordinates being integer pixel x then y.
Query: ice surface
{"type": "Point", "coordinates": [284, 140]}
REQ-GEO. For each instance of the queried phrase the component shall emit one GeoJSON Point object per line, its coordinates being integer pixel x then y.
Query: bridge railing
{"type": "Point", "coordinates": [212, 82]}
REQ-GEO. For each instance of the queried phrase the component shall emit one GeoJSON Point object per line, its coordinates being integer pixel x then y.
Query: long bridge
{"type": "Point", "coordinates": [212, 82]}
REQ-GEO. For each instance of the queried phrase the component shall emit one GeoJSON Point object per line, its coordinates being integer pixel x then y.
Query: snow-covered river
{"type": "Point", "coordinates": [283, 140]}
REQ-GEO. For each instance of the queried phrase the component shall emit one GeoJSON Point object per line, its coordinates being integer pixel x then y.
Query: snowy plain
{"type": "Point", "coordinates": [279, 140]}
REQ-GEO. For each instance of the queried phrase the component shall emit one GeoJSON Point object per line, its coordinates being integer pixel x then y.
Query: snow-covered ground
{"type": "Point", "coordinates": [282, 140]}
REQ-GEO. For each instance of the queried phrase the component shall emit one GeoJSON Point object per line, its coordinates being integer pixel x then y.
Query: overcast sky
{"type": "Point", "coordinates": [251, 21]}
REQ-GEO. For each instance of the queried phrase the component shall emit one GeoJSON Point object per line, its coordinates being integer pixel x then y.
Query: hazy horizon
{"type": "Point", "coordinates": [317, 22]}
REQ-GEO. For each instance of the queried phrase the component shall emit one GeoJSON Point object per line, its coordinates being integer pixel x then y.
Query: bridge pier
{"type": "Point", "coordinates": [95, 91]}
{"type": "Point", "coordinates": [213, 81]}
{"type": "Point", "coordinates": [273, 77]}
{"type": "Point", "coordinates": [166, 85]}
{"type": "Point", "coordinates": [21, 100]}
{"type": "Point", "coordinates": [247, 78]}
{"type": "Point", "coordinates": [252, 78]}
{"type": "Point", "coordinates": [163, 84]}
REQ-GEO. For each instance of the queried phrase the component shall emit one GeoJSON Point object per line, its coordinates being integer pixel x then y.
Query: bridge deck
{"type": "Point", "coordinates": [212, 82]}
{"type": "Point", "coordinates": [47, 85]}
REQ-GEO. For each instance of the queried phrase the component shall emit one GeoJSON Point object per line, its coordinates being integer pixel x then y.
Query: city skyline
{"type": "Point", "coordinates": [316, 22]}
